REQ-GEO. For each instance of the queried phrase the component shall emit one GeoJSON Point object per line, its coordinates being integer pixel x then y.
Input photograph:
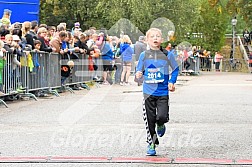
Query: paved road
{"type": "Point", "coordinates": [210, 123]}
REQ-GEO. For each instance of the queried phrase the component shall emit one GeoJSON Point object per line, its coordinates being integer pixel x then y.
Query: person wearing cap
{"type": "Point", "coordinates": [6, 18]}
{"type": "Point", "coordinates": [11, 46]}
{"type": "Point", "coordinates": [76, 30]}
{"type": "Point", "coordinates": [77, 25]}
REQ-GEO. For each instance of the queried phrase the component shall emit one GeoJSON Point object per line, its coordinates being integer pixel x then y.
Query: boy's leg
{"type": "Point", "coordinates": [162, 114]}
{"type": "Point", "coordinates": [162, 110]}
{"type": "Point", "coordinates": [149, 116]}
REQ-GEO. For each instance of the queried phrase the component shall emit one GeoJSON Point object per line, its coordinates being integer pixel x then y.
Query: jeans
{"type": "Point", "coordinates": [118, 73]}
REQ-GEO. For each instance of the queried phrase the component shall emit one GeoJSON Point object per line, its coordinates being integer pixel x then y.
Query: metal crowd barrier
{"type": "Point", "coordinates": [194, 67]}
{"type": "Point", "coordinates": [10, 74]}
{"type": "Point", "coordinates": [43, 73]}
{"type": "Point", "coordinates": [39, 71]}
{"type": "Point", "coordinates": [206, 63]}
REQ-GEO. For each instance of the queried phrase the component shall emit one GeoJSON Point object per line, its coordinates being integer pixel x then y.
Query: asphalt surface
{"type": "Point", "coordinates": [210, 124]}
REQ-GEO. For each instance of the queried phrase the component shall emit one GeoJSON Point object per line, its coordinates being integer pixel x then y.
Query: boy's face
{"type": "Point", "coordinates": [154, 40]}
{"type": "Point", "coordinates": [95, 37]}
{"type": "Point", "coordinates": [47, 37]}
{"type": "Point", "coordinates": [9, 40]}
{"type": "Point", "coordinates": [37, 46]}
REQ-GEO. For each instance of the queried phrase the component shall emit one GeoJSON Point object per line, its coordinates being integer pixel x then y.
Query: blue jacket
{"type": "Point", "coordinates": [126, 52]}
{"type": "Point", "coordinates": [106, 52]}
{"type": "Point", "coordinates": [155, 67]}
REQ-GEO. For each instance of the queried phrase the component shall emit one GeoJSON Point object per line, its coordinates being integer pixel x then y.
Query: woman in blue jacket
{"type": "Point", "coordinates": [126, 53]}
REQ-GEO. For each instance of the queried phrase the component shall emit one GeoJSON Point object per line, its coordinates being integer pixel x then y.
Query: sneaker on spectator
{"type": "Point", "coordinates": [75, 87]}
{"type": "Point", "coordinates": [151, 150]}
{"type": "Point", "coordinates": [127, 84]}
{"type": "Point", "coordinates": [121, 83]}
{"type": "Point", "coordinates": [105, 83]}
{"type": "Point", "coordinates": [161, 130]}
{"type": "Point", "coordinates": [96, 79]}
{"type": "Point", "coordinates": [42, 94]}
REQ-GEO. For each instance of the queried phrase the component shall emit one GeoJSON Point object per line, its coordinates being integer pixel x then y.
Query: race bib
{"type": "Point", "coordinates": [154, 75]}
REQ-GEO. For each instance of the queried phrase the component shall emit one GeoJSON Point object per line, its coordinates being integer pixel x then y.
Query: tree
{"type": "Point", "coordinates": [211, 18]}
{"type": "Point", "coordinates": [53, 12]}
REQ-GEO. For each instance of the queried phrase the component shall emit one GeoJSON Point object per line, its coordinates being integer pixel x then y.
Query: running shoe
{"type": "Point", "coordinates": [161, 130]}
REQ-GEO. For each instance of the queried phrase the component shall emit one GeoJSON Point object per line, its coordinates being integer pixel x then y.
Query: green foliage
{"type": "Point", "coordinates": [213, 26]}
{"type": "Point", "coordinates": [211, 18]}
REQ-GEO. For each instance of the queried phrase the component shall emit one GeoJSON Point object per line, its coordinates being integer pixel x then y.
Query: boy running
{"type": "Point", "coordinates": [154, 65]}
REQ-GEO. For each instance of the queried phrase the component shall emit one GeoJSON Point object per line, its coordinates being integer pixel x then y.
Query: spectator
{"type": "Point", "coordinates": [51, 32]}
{"type": "Point", "coordinates": [43, 25]}
{"type": "Point", "coordinates": [91, 43]}
{"type": "Point", "coordinates": [250, 61]}
{"type": "Point", "coordinates": [82, 44]}
{"type": "Point", "coordinates": [26, 27]}
{"type": "Point", "coordinates": [47, 39]}
{"type": "Point", "coordinates": [3, 31]}
{"type": "Point", "coordinates": [37, 45]}
{"type": "Point", "coordinates": [139, 47]}
{"type": "Point", "coordinates": [126, 53]}
{"type": "Point", "coordinates": [70, 45]}
{"type": "Point", "coordinates": [35, 60]}
{"type": "Point", "coordinates": [2, 62]}
{"type": "Point", "coordinates": [92, 30]}
{"type": "Point", "coordinates": [6, 18]}
{"type": "Point", "coordinates": [185, 59]}
{"type": "Point", "coordinates": [42, 32]}
{"type": "Point", "coordinates": [34, 29]}
{"type": "Point", "coordinates": [217, 60]}
{"type": "Point", "coordinates": [107, 58]}
{"type": "Point", "coordinates": [118, 62]}
{"type": "Point", "coordinates": [76, 30]}
{"type": "Point", "coordinates": [13, 48]}
{"type": "Point", "coordinates": [168, 47]}
{"type": "Point", "coordinates": [246, 37]}
{"type": "Point", "coordinates": [17, 30]}
{"type": "Point", "coordinates": [250, 34]}
{"type": "Point", "coordinates": [56, 42]}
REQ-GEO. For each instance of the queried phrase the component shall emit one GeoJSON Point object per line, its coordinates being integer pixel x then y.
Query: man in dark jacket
{"type": "Point", "coordinates": [139, 47]}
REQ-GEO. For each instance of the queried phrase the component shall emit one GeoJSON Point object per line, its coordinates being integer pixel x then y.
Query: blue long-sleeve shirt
{"type": "Point", "coordinates": [106, 52]}
{"type": "Point", "coordinates": [155, 67]}
{"type": "Point", "coordinates": [126, 52]}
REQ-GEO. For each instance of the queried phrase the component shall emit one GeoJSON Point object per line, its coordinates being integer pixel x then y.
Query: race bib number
{"type": "Point", "coordinates": [154, 75]}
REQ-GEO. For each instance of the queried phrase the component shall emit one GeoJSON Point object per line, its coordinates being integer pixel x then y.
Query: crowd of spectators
{"type": "Point", "coordinates": [117, 53]}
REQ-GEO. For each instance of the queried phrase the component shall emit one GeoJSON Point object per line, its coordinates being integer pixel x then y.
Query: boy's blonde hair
{"type": "Point", "coordinates": [153, 29]}
{"type": "Point", "coordinates": [8, 36]}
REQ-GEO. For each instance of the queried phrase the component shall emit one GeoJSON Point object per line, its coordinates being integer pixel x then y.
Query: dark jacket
{"type": "Point", "coordinates": [83, 45]}
{"type": "Point", "coordinates": [43, 46]}
{"type": "Point", "coordinates": [139, 48]}
{"type": "Point", "coordinates": [30, 40]}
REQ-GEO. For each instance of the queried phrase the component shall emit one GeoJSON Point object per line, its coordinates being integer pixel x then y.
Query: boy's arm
{"type": "Point", "coordinates": [140, 65]}
{"type": "Point", "coordinates": [175, 68]}
{"type": "Point", "coordinates": [140, 62]}
{"type": "Point", "coordinates": [8, 49]}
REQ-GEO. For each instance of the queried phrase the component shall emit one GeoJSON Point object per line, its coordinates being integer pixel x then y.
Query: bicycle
{"type": "Point", "coordinates": [232, 65]}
